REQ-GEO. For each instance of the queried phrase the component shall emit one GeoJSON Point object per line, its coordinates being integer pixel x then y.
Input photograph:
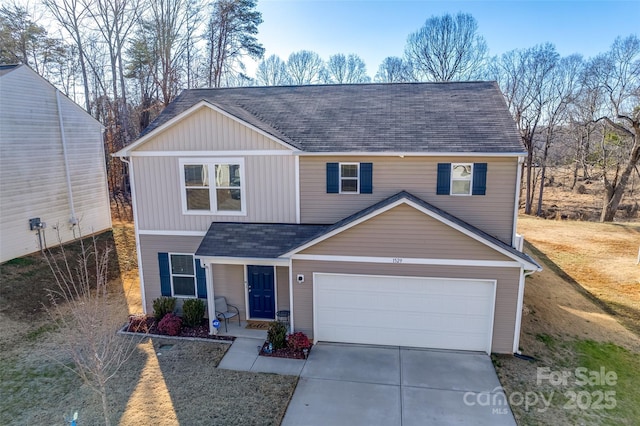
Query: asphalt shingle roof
{"type": "Point", "coordinates": [272, 240]}
{"type": "Point", "coordinates": [408, 117]}
{"type": "Point", "coordinates": [255, 240]}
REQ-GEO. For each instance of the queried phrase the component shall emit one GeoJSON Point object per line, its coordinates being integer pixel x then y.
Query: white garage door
{"type": "Point", "coordinates": [404, 311]}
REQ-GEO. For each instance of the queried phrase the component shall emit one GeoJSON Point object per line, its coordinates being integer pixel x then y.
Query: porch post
{"type": "Point", "coordinates": [211, 305]}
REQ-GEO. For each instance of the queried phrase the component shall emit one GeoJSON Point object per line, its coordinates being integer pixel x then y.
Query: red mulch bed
{"type": "Point", "coordinates": [284, 352]}
{"type": "Point", "coordinates": [149, 325]}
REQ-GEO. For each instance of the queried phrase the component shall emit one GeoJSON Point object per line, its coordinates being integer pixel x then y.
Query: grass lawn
{"type": "Point", "coordinates": [587, 361]}
{"type": "Point", "coordinates": [165, 382]}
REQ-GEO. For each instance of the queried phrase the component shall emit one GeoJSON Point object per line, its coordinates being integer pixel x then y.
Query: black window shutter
{"type": "Point", "coordinates": [333, 178]}
{"type": "Point", "coordinates": [201, 279]}
{"type": "Point", "coordinates": [479, 179]}
{"type": "Point", "coordinates": [165, 274]}
{"type": "Point", "coordinates": [366, 178]}
{"type": "Point", "coordinates": [443, 186]}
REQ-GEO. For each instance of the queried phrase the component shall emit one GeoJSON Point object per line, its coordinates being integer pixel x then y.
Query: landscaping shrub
{"type": "Point", "coordinates": [277, 335]}
{"type": "Point", "coordinates": [138, 324]}
{"type": "Point", "coordinates": [170, 324]}
{"type": "Point", "coordinates": [162, 306]}
{"type": "Point", "coordinates": [298, 341]}
{"type": "Point", "coordinates": [193, 312]}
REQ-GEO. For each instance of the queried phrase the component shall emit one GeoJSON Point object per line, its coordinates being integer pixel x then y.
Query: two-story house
{"type": "Point", "coordinates": [374, 213]}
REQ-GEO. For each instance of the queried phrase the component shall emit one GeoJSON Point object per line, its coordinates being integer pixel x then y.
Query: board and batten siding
{"type": "Point", "coordinates": [493, 213]}
{"type": "Point", "coordinates": [506, 292]}
{"type": "Point", "coordinates": [209, 130]}
{"type": "Point", "coordinates": [33, 182]}
{"type": "Point", "coordinates": [270, 193]}
{"type": "Point", "coordinates": [404, 232]}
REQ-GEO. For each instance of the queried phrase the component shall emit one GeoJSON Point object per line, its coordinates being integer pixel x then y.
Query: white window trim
{"type": "Point", "coordinates": [195, 276]}
{"type": "Point", "coordinates": [453, 165]}
{"type": "Point", "coordinates": [357, 178]}
{"type": "Point", "coordinates": [211, 163]}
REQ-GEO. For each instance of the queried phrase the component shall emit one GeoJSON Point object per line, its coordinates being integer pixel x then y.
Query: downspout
{"type": "Point", "coordinates": [516, 203]}
{"type": "Point", "coordinates": [73, 221]}
{"type": "Point", "coordinates": [516, 338]}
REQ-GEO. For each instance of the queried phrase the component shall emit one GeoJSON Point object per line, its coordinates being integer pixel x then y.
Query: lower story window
{"type": "Point", "coordinates": [183, 277]}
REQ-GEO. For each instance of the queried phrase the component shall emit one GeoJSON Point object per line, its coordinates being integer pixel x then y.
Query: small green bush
{"type": "Point", "coordinates": [193, 312]}
{"type": "Point", "coordinates": [163, 306]}
{"type": "Point", "coordinates": [277, 335]}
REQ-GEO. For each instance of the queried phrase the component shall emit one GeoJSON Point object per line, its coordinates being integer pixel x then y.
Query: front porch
{"type": "Point", "coordinates": [236, 330]}
{"type": "Point", "coordinates": [259, 292]}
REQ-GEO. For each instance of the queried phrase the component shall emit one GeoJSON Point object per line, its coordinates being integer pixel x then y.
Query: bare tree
{"type": "Point", "coordinates": [341, 69]}
{"type": "Point", "coordinates": [71, 14]}
{"type": "Point", "coordinates": [304, 67]}
{"type": "Point", "coordinates": [560, 91]}
{"type": "Point", "coordinates": [394, 70]}
{"type": "Point", "coordinates": [230, 35]}
{"type": "Point", "coordinates": [523, 76]}
{"type": "Point", "coordinates": [616, 75]}
{"type": "Point", "coordinates": [272, 72]}
{"type": "Point", "coordinates": [89, 317]}
{"type": "Point", "coordinates": [447, 48]}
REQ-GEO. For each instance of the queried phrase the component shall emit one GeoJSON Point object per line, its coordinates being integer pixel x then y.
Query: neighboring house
{"type": "Point", "coordinates": [374, 213]}
{"type": "Point", "coordinates": [53, 179]}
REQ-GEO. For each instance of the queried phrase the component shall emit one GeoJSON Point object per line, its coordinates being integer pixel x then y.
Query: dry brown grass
{"type": "Point", "coordinates": [601, 257]}
{"type": "Point", "coordinates": [158, 385]}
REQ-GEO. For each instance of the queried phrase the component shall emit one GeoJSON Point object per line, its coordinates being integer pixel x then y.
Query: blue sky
{"type": "Point", "coordinates": [376, 29]}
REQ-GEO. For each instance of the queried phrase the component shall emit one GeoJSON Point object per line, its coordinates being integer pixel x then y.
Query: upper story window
{"type": "Point", "coordinates": [349, 178]}
{"type": "Point", "coordinates": [213, 186]}
{"type": "Point", "coordinates": [462, 179]}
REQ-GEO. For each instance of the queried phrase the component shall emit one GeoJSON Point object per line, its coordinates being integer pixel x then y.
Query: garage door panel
{"type": "Point", "coordinates": [404, 311]}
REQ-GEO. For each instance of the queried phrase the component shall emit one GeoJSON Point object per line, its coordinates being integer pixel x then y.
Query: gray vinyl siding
{"type": "Point", "coordinates": [208, 130]}
{"type": "Point", "coordinates": [492, 213]}
{"type": "Point", "coordinates": [269, 187]}
{"type": "Point", "coordinates": [506, 292]}
{"type": "Point", "coordinates": [150, 246]}
{"type": "Point", "coordinates": [407, 233]}
{"type": "Point", "coordinates": [32, 169]}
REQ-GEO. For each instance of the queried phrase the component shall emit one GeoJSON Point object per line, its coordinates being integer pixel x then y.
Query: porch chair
{"type": "Point", "coordinates": [224, 311]}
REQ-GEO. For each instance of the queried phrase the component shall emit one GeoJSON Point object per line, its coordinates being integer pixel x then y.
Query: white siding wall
{"type": "Point", "coordinates": [32, 172]}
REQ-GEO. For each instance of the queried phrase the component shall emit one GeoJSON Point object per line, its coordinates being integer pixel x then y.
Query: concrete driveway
{"type": "Point", "coordinates": [375, 385]}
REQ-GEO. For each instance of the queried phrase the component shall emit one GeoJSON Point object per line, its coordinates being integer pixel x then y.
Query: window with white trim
{"type": "Point", "coordinates": [349, 177]}
{"type": "Point", "coordinates": [461, 178]}
{"type": "Point", "coordinates": [183, 275]}
{"type": "Point", "coordinates": [213, 186]}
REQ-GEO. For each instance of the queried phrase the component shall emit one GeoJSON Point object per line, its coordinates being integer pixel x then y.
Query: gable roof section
{"type": "Point", "coordinates": [457, 117]}
{"type": "Point", "coordinates": [281, 241]}
{"type": "Point", "coordinates": [404, 197]}
{"type": "Point", "coordinates": [146, 135]}
{"type": "Point", "coordinates": [6, 69]}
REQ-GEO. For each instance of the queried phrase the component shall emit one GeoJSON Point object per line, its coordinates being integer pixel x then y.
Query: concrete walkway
{"type": "Point", "coordinates": [243, 356]}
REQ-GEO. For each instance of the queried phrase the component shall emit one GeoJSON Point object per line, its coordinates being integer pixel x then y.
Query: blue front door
{"type": "Point", "coordinates": [262, 303]}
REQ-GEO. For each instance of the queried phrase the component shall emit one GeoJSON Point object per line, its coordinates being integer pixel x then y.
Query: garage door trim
{"type": "Point", "coordinates": [492, 282]}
